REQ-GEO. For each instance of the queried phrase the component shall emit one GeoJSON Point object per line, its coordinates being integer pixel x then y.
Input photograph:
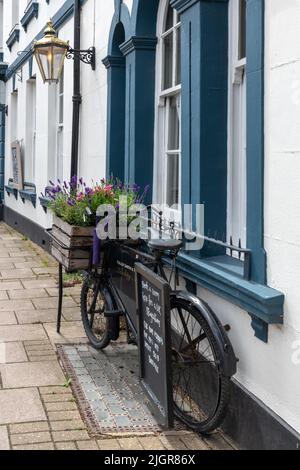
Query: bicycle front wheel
{"type": "Point", "coordinates": [200, 391]}
{"type": "Point", "coordinates": [93, 306]}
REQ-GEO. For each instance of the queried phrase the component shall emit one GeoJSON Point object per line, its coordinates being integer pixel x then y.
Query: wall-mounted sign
{"type": "Point", "coordinates": [153, 309]}
{"type": "Point", "coordinates": [17, 165]}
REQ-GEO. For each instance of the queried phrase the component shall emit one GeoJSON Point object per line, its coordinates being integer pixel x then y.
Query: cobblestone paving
{"type": "Point", "coordinates": [37, 409]}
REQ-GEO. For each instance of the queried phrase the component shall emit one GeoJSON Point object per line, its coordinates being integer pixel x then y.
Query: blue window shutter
{"type": "Point", "coordinates": [204, 112]}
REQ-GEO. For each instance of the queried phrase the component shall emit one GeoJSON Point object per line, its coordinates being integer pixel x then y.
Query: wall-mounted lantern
{"type": "Point", "coordinates": [50, 53]}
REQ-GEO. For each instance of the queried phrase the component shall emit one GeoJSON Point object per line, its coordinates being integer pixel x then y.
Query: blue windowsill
{"type": "Point", "coordinates": [223, 276]}
{"type": "Point", "coordinates": [11, 190]}
{"type": "Point", "coordinates": [14, 36]}
{"type": "Point", "coordinates": [28, 193]}
{"type": "Point", "coordinates": [228, 264]}
{"type": "Point", "coordinates": [44, 202]}
{"type": "Point", "coordinates": [32, 11]}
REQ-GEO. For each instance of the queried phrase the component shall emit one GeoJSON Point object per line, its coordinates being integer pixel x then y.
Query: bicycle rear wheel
{"type": "Point", "coordinates": [200, 391]}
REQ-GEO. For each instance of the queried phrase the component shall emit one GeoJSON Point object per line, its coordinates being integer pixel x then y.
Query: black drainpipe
{"type": "Point", "coordinates": [77, 98]}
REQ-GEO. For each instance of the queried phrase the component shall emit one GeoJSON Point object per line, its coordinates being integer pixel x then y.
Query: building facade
{"type": "Point", "coordinates": [200, 99]}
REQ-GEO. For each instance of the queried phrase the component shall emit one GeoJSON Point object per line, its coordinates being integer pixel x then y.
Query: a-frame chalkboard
{"type": "Point", "coordinates": [153, 311]}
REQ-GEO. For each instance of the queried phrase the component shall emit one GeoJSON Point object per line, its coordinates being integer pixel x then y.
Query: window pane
{"type": "Point", "coordinates": [61, 109]}
{"type": "Point", "coordinates": [168, 61]}
{"type": "Point", "coordinates": [174, 124]}
{"type": "Point", "coordinates": [178, 57]}
{"type": "Point", "coordinates": [172, 179]}
{"type": "Point", "coordinates": [169, 19]}
{"type": "Point", "coordinates": [242, 30]}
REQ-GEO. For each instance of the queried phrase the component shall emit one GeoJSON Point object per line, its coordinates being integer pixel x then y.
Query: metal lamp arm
{"type": "Point", "coordinates": [87, 56]}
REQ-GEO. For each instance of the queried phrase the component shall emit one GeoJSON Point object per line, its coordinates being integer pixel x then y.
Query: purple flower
{"type": "Point", "coordinates": [73, 182]}
{"type": "Point", "coordinates": [147, 188]}
{"type": "Point", "coordinates": [136, 188]}
{"type": "Point", "coordinates": [66, 185]}
{"type": "Point", "coordinates": [71, 203]}
{"type": "Point", "coordinates": [81, 181]}
{"type": "Point", "coordinates": [51, 182]}
{"type": "Point", "coordinates": [89, 192]}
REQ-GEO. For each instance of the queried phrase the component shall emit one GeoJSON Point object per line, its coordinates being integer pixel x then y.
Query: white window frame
{"type": "Point", "coordinates": [15, 12]}
{"type": "Point", "coordinates": [30, 140]}
{"type": "Point", "coordinates": [162, 102]}
{"type": "Point", "coordinates": [237, 152]}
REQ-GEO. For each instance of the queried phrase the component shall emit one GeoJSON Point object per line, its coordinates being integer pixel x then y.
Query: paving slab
{"type": "Point", "coordinates": [48, 270]}
{"type": "Point", "coordinates": [72, 314]}
{"type": "Point", "coordinates": [31, 374]}
{"type": "Point", "coordinates": [10, 285]}
{"type": "Point", "coordinates": [27, 294]}
{"type": "Point", "coordinates": [8, 318]}
{"type": "Point", "coordinates": [13, 305]}
{"type": "Point", "coordinates": [3, 295]}
{"type": "Point", "coordinates": [21, 406]}
{"type": "Point", "coordinates": [69, 331]}
{"type": "Point", "coordinates": [4, 440]}
{"type": "Point", "coordinates": [14, 353]}
{"type": "Point", "coordinates": [35, 447]}
{"type": "Point", "coordinates": [52, 302]}
{"type": "Point", "coordinates": [36, 316]}
{"type": "Point", "coordinates": [17, 274]}
{"type": "Point", "coordinates": [6, 265]}
{"type": "Point", "coordinates": [39, 283]}
{"type": "Point", "coordinates": [22, 333]}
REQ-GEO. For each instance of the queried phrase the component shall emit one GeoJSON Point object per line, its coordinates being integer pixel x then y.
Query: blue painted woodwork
{"type": "Point", "coordinates": [2, 150]}
{"type": "Point", "coordinates": [255, 138]}
{"type": "Point", "coordinates": [116, 69]}
{"type": "Point", "coordinates": [204, 112]}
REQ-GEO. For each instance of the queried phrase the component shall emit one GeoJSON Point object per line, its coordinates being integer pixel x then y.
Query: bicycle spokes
{"type": "Point", "coordinates": [196, 384]}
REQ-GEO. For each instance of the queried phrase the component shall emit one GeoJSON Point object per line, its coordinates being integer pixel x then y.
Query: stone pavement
{"type": "Point", "coordinates": [37, 408]}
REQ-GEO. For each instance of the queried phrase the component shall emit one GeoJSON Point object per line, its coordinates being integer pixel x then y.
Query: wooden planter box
{"type": "Point", "coordinates": [71, 245]}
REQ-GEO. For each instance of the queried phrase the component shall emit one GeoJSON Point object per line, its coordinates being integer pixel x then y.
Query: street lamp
{"type": "Point", "coordinates": [50, 53]}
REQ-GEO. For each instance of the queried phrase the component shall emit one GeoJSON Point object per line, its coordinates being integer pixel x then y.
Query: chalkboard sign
{"type": "Point", "coordinates": [17, 165]}
{"type": "Point", "coordinates": [153, 311]}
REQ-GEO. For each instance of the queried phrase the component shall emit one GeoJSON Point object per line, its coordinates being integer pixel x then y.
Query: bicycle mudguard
{"type": "Point", "coordinates": [228, 360]}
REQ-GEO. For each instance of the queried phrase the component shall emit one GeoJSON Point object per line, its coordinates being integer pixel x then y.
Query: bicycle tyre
{"type": "Point", "coordinates": [214, 419]}
{"type": "Point", "coordinates": [92, 284]}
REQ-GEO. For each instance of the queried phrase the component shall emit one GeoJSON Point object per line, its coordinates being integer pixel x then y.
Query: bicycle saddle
{"type": "Point", "coordinates": [165, 245]}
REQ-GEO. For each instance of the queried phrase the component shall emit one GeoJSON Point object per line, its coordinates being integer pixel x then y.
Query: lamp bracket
{"type": "Point", "coordinates": [87, 56]}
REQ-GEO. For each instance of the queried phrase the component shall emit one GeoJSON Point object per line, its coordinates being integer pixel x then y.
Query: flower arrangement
{"type": "Point", "coordinates": [76, 203]}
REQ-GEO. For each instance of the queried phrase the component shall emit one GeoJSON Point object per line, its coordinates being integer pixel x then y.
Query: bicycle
{"type": "Point", "coordinates": [203, 360]}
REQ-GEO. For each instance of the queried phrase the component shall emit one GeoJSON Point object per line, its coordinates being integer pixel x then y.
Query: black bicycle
{"type": "Point", "coordinates": [203, 360]}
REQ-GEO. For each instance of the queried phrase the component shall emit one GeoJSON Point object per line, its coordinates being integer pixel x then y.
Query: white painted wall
{"type": "Point", "coordinates": [96, 20]}
{"type": "Point", "coordinates": [267, 370]}
{"type": "Point", "coordinates": [270, 371]}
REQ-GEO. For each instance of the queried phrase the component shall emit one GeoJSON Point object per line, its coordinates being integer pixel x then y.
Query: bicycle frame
{"type": "Point", "coordinates": [118, 273]}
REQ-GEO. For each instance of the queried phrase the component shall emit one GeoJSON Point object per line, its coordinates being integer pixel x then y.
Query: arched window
{"type": "Point", "coordinates": [168, 108]}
